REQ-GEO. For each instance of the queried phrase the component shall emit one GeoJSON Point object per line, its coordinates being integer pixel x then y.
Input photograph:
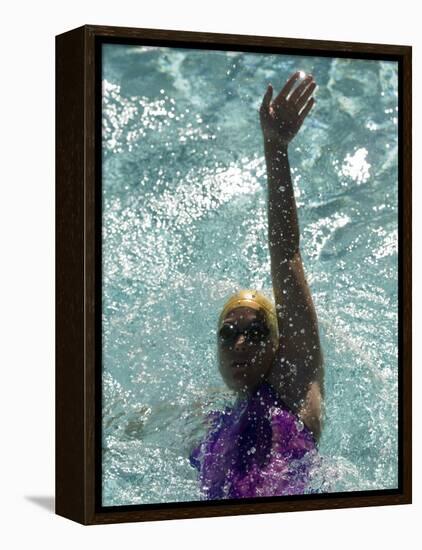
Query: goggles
{"type": "Point", "coordinates": [256, 332]}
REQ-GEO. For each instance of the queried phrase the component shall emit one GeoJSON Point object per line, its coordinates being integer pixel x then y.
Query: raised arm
{"type": "Point", "coordinates": [297, 373]}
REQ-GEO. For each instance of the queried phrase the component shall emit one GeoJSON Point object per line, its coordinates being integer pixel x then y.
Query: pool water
{"type": "Point", "coordinates": [185, 225]}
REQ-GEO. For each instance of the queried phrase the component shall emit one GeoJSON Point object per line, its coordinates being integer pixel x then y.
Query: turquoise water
{"type": "Point", "coordinates": [185, 225]}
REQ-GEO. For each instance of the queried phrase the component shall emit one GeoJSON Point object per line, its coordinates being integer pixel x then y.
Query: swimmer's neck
{"type": "Point", "coordinates": [247, 393]}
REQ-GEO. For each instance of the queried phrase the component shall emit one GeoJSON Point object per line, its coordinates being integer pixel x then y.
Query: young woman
{"type": "Point", "coordinates": [270, 355]}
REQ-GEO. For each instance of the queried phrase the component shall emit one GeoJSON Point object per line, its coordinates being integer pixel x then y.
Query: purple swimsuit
{"type": "Point", "coordinates": [256, 448]}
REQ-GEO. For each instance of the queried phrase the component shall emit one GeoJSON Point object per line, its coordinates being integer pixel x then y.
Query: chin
{"type": "Point", "coordinates": [244, 385]}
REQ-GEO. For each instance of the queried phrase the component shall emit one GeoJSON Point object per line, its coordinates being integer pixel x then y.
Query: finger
{"type": "Point", "coordinates": [287, 87]}
{"type": "Point", "coordinates": [267, 99]}
{"type": "Point", "coordinates": [305, 111]}
{"type": "Point", "coordinates": [305, 96]}
{"type": "Point", "coordinates": [300, 89]}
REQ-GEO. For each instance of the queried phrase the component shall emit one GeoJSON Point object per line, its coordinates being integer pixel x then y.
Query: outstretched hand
{"type": "Point", "coordinates": [282, 118]}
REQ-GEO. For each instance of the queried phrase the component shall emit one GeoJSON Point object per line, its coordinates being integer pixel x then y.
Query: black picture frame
{"type": "Point", "coordinates": [78, 273]}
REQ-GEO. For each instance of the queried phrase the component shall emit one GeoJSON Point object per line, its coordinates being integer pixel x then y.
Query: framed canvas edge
{"type": "Point", "coordinates": [76, 391]}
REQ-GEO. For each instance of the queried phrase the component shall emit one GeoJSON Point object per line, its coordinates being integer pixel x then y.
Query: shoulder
{"type": "Point", "coordinates": [307, 407]}
{"type": "Point", "coordinates": [290, 434]}
{"type": "Point", "coordinates": [311, 411]}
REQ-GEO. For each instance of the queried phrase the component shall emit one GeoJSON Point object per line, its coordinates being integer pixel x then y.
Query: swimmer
{"type": "Point", "coordinates": [269, 354]}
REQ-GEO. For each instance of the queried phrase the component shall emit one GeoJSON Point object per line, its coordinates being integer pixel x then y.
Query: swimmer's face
{"type": "Point", "coordinates": [245, 349]}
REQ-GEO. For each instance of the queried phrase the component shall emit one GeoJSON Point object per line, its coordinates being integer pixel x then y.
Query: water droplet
{"type": "Point", "coordinates": [299, 425]}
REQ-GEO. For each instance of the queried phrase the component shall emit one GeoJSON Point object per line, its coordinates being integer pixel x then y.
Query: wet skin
{"type": "Point", "coordinates": [244, 363]}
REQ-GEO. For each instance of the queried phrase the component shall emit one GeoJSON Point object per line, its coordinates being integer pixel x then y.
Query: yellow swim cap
{"type": "Point", "coordinates": [254, 299]}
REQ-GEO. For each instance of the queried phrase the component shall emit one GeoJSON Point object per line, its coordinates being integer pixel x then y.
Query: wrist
{"type": "Point", "coordinates": [275, 145]}
{"type": "Point", "coordinates": [276, 153]}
